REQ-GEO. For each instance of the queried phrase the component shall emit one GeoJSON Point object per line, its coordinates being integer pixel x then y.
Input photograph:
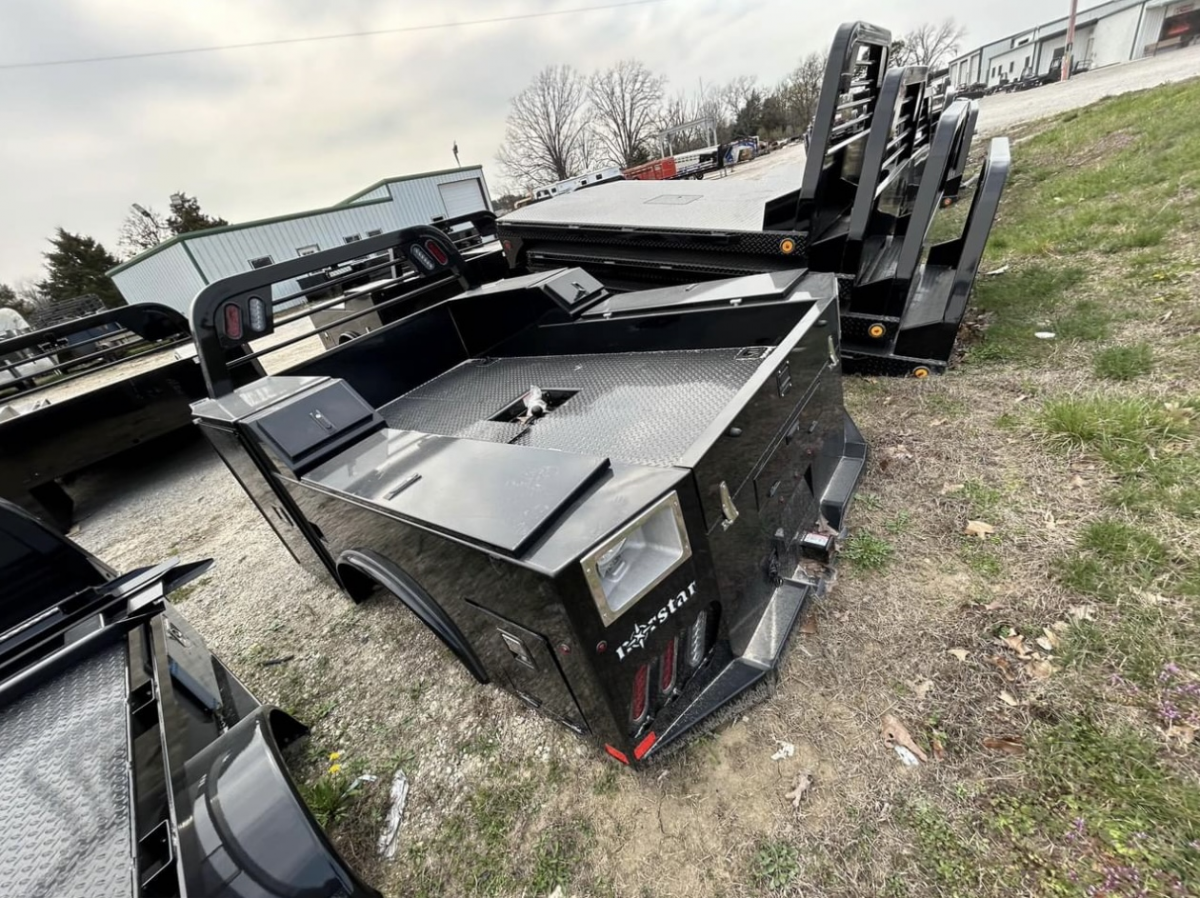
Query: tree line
{"type": "Point", "coordinates": [565, 123]}
{"type": "Point", "coordinates": [77, 264]}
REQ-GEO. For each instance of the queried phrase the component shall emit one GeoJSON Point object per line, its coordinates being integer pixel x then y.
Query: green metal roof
{"type": "Point", "coordinates": [207, 232]}
{"type": "Point", "coordinates": [428, 174]}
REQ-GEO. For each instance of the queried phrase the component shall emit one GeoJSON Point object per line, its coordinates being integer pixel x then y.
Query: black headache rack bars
{"type": "Point", "coordinates": [83, 346]}
{"type": "Point", "coordinates": [846, 107]}
{"type": "Point", "coordinates": [614, 506]}
{"type": "Point", "coordinates": [84, 390]}
{"type": "Point", "coordinates": [886, 156]}
{"type": "Point", "coordinates": [227, 315]}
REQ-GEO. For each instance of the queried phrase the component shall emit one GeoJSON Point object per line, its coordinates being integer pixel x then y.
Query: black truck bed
{"type": "Point", "coordinates": [607, 416]}
{"type": "Point", "coordinates": [65, 814]}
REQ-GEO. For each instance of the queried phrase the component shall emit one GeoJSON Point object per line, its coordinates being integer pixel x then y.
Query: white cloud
{"type": "Point", "coordinates": [270, 130]}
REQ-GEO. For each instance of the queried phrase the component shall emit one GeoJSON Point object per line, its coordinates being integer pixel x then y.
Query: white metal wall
{"type": "Point", "coordinates": [1115, 37]}
{"type": "Point", "coordinates": [1151, 30]}
{"type": "Point", "coordinates": [379, 193]}
{"type": "Point", "coordinates": [229, 252]}
{"type": "Point", "coordinates": [418, 201]}
{"type": "Point", "coordinates": [1082, 36]}
{"type": "Point", "coordinates": [167, 277]}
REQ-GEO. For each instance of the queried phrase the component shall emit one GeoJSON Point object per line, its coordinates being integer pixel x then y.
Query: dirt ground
{"type": "Point", "coordinates": [503, 802]}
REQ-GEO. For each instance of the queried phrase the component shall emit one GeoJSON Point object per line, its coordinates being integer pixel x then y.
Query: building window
{"type": "Point", "coordinates": [308, 250]}
{"type": "Point", "coordinates": [1011, 66]}
{"type": "Point", "coordinates": [261, 262]}
{"type": "Point", "coordinates": [374, 232]}
{"type": "Point", "coordinates": [352, 238]}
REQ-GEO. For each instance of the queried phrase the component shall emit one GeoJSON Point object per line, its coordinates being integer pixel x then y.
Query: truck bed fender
{"type": "Point", "coordinates": [379, 571]}
{"type": "Point", "coordinates": [249, 825]}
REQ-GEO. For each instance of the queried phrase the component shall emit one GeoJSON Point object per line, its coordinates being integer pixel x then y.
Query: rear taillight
{"type": "Point", "coordinates": [437, 252]}
{"type": "Point", "coordinates": [233, 321]}
{"type": "Point", "coordinates": [666, 670]}
{"type": "Point", "coordinates": [641, 694]}
{"type": "Point", "coordinates": [697, 640]}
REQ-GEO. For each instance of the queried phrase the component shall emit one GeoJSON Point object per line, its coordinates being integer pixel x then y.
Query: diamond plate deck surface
{"type": "Point", "coordinates": [698, 205]}
{"type": "Point", "coordinates": [64, 793]}
{"type": "Point", "coordinates": [638, 407]}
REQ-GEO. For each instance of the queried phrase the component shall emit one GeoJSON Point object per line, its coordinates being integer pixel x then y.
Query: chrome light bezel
{"type": "Point", "coordinates": [590, 561]}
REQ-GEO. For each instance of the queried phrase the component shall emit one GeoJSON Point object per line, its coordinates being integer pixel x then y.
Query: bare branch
{"type": "Point", "coordinates": [625, 107]}
{"type": "Point", "coordinates": [545, 136]}
{"type": "Point", "coordinates": [142, 229]}
{"type": "Point", "coordinates": [929, 44]}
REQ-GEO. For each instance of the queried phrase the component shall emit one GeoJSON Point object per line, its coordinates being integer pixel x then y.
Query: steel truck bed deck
{"type": "Point", "coordinates": [613, 505]}
{"type": "Point", "coordinates": [134, 762]}
{"type": "Point", "coordinates": [98, 403]}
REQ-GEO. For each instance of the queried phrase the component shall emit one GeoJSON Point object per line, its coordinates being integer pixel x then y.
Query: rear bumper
{"type": "Point", "coordinates": [729, 680]}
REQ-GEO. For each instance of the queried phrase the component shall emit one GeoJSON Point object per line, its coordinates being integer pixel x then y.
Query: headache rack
{"type": "Point", "coordinates": [83, 390]}
{"type": "Point", "coordinates": [885, 157]}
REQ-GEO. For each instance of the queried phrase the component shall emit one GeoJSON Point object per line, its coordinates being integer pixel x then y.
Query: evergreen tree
{"type": "Point", "coordinates": [186, 215]}
{"type": "Point", "coordinates": [78, 265]}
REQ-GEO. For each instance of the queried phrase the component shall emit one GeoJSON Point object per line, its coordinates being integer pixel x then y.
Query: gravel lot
{"type": "Point", "coordinates": [378, 685]}
{"type": "Point", "coordinates": [1000, 112]}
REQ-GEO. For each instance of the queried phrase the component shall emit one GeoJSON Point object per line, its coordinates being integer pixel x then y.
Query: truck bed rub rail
{"type": "Point", "coordinates": [230, 313]}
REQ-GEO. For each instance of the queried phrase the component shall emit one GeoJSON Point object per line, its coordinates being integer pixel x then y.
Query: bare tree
{"type": "Point", "coordinates": [625, 106]}
{"type": "Point", "coordinates": [929, 44]}
{"type": "Point", "coordinates": [142, 229]}
{"type": "Point", "coordinates": [545, 136]}
{"type": "Point", "coordinates": [24, 297]}
{"type": "Point", "coordinates": [736, 94]}
{"type": "Point", "coordinates": [801, 90]}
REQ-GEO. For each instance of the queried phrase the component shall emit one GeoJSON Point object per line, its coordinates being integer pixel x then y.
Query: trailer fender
{"type": "Point", "coordinates": [249, 830]}
{"type": "Point", "coordinates": [378, 571]}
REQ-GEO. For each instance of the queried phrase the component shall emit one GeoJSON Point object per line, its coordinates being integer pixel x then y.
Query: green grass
{"type": "Point", "coordinates": [1123, 363]}
{"type": "Point", "coordinates": [1097, 233]}
{"type": "Point", "coordinates": [868, 552]}
{"type": "Point", "coordinates": [183, 593]}
{"type": "Point", "coordinates": [775, 865]}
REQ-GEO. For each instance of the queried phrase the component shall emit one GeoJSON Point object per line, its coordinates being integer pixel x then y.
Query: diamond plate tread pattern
{"type": "Point", "coordinates": [639, 407]}
{"type": "Point", "coordinates": [65, 813]}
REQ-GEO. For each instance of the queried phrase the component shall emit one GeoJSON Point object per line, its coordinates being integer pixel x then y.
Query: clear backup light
{"type": "Point", "coordinates": [697, 640]}
{"type": "Point", "coordinates": [631, 563]}
{"type": "Point", "coordinates": [258, 314]}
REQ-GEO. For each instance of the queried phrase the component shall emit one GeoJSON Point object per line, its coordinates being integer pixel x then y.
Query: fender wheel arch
{"type": "Point", "coordinates": [361, 571]}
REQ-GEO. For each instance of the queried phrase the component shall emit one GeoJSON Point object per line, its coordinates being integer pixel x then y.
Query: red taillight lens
{"type": "Point", "coordinates": [619, 755]}
{"type": "Point", "coordinates": [641, 693]}
{"type": "Point", "coordinates": [666, 670]}
{"type": "Point", "coordinates": [437, 252]}
{"type": "Point", "coordinates": [233, 321]}
{"type": "Point", "coordinates": [644, 746]}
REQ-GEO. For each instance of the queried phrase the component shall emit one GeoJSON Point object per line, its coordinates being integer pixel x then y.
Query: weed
{"type": "Point", "coordinates": [949, 858]}
{"type": "Point", "coordinates": [1106, 424]}
{"type": "Point", "coordinates": [331, 794]}
{"type": "Point", "coordinates": [1124, 362]}
{"type": "Point", "coordinates": [183, 593]}
{"type": "Point", "coordinates": [555, 859]}
{"type": "Point", "coordinates": [775, 865]}
{"type": "Point", "coordinates": [982, 558]}
{"type": "Point", "coordinates": [901, 523]}
{"type": "Point", "coordinates": [607, 783]}
{"type": "Point", "coordinates": [868, 552]}
{"type": "Point", "coordinates": [984, 500]}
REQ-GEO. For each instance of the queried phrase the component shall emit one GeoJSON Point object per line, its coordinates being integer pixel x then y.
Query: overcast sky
{"type": "Point", "coordinates": [273, 130]}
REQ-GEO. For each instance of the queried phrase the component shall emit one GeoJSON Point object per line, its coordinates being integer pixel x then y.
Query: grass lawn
{"type": "Point", "coordinates": [1048, 662]}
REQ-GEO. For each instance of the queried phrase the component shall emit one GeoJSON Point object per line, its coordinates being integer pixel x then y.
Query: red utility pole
{"type": "Point", "coordinates": [1069, 50]}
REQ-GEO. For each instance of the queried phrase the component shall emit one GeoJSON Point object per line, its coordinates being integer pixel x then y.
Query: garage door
{"type": "Point", "coordinates": [462, 197]}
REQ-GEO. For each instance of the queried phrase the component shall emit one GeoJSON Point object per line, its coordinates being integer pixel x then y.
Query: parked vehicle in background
{"type": "Point", "coordinates": [134, 761]}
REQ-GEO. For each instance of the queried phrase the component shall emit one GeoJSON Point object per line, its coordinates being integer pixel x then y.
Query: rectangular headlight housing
{"type": "Point", "coordinates": [629, 564]}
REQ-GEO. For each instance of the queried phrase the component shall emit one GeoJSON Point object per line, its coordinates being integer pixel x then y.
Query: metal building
{"type": "Point", "coordinates": [175, 270]}
{"type": "Point", "coordinates": [1106, 34]}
